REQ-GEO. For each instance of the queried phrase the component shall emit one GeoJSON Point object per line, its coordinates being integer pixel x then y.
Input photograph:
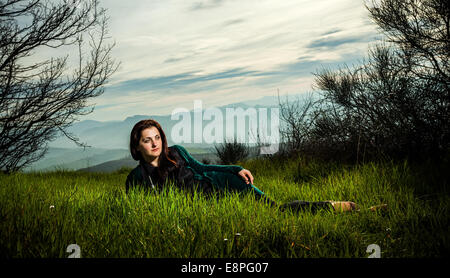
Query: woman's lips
{"type": "Point", "coordinates": [155, 149]}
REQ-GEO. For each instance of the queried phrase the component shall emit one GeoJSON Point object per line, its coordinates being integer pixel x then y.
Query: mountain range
{"type": "Point", "coordinates": [108, 141]}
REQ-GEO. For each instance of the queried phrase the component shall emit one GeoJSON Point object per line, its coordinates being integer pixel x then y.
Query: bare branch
{"type": "Point", "coordinates": [39, 101]}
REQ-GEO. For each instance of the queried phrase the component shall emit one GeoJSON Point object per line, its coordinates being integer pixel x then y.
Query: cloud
{"type": "Point", "coordinates": [172, 60]}
{"type": "Point", "coordinates": [148, 83]}
{"type": "Point", "coordinates": [210, 4]}
{"type": "Point", "coordinates": [177, 81]}
{"type": "Point", "coordinates": [179, 58]}
{"type": "Point", "coordinates": [304, 67]}
{"type": "Point", "coordinates": [333, 31]}
{"type": "Point", "coordinates": [237, 78]}
{"type": "Point", "coordinates": [301, 68]}
{"type": "Point", "coordinates": [329, 43]}
{"type": "Point", "coordinates": [220, 51]}
{"type": "Point", "coordinates": [233, 22]}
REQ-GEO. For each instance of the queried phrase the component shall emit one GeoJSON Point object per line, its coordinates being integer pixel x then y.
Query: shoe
{"type": "Point", "coordinates": [382, 207]}
{"type": "Point", "coordinates": [344, 206]}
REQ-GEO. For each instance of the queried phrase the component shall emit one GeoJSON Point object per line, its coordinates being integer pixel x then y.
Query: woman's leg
{"type": "Point", "coordinates": [263, 198]}
{"type": "Point", "coordinates": [295, 206]}
{"type": "Point", "coordinates": [300, 206]}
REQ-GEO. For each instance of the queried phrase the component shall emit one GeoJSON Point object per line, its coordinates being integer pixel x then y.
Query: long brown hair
{"type": "Point", "coordinates": [165, 161]}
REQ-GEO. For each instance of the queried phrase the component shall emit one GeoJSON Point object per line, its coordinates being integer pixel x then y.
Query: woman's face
{"type": "Point", "coordinates": [150, 144]}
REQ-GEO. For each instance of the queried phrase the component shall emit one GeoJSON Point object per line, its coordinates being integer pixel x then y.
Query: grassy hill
{"type": "Point", "coordinates": [75, 158]}
{"type": "Point", "coordinates": [43, 213]}
{"type": "Point", "coordinates": [128, 162]}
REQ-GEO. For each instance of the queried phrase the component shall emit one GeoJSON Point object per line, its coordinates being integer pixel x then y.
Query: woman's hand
{"type": "Point", "coordinates": [246, 175]}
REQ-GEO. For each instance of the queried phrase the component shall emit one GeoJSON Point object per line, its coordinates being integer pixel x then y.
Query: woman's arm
{"type": "Point", "coordinates": [129, 183]}
{"type": "Point", "coordinates": [200, 167]}
{"type": "Point", "coordinates": [134, 179]}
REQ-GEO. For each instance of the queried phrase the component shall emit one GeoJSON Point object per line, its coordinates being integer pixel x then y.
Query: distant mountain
{"type": "Point", "coordinates": [114, 165]}
{"type": "Point", "coordinates": [109, 141]}
{"type": "Point", "coordinates": [111, 166]}
{"type": "Point", "coordinates": [115, 134]}
{"type": "Point", "coordinates": [198, 154]}
{"type": "Point", "coordinates": [75, 158]}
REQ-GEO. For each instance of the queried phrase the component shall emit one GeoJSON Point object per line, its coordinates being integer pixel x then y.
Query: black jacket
{"type": "Point", "coordinates": [192, 175]}
{"type": "Point", "coordinates": [147, 176]}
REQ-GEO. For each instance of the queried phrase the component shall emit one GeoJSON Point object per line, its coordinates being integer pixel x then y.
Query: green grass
{"type": "Point", "coordinates": [42, 213]}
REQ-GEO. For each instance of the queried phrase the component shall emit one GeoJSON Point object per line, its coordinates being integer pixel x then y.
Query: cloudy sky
{"type": "Point", "coordinates": [173, 52]}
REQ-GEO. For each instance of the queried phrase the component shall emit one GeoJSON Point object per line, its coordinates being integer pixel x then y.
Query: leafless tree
{"type": "Point", "coordinates": [397, 102]}
{"type": "Point", "coordinates": [41, 96]}
{"type": "Point", "coordinates": [420, 29]}
{"type": "Point", "coordinates": [297, 117]}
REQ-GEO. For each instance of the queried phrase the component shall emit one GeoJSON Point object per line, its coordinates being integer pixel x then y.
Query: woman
{"type": "Point", "coordinates": [159, 163]}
